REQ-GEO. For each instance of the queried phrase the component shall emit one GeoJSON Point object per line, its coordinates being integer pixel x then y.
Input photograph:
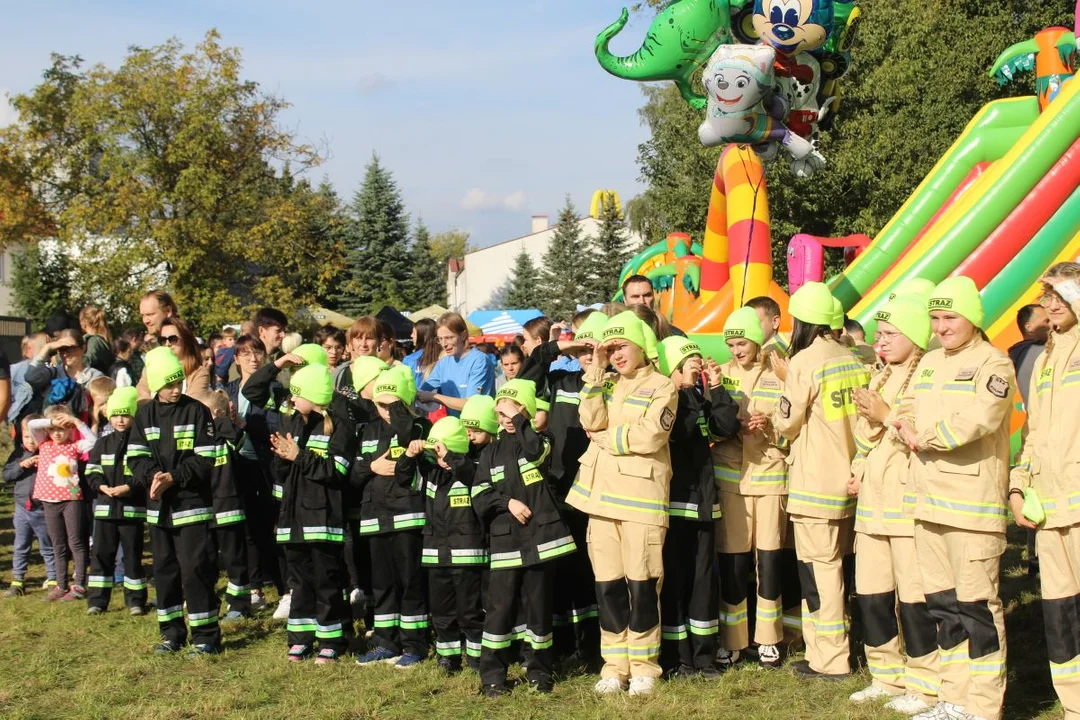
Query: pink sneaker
{"type": "Point", "coordinates": [55, 593]}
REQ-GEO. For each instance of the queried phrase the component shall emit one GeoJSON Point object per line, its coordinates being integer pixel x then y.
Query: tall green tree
{"type": "Point", "coordinates": [169, 170]}
{"type": "Point", "coordinates": [610, 249]}
{"type": "Point", "coordinates": [41, 282]}
{"type": "Point", "coordinates": [524, 291]}
{"type": "Point", "coordinates": [568, 269]}
{"type": "Point", "coordinates": [377, 245]}
{"type": "Point", "coordinates": [427, 272]}
{"type": "Point", "coordinates": [919, 75]}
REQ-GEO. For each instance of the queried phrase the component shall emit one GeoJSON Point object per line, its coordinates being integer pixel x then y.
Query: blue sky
{"type": "Point", "coordinates": [486, 112]}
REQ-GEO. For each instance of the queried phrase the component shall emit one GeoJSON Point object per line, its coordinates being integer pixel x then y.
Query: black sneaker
{"type": "Point", "coordinates": [493, 691]}
{"type": "Point", "coordinates": [203, 649]}
{"type": "Point", "coordinates": [449, 665]}
{"type": "Point", "coordinates": [95, 610]}
{"type": "Point", "coordinates": [166, 648]}
{"type": "Point", "coordinates": [473, 663]}
{"type": "Point", "coordinates": [805, 672]}
{"type": "Point", "coordinates": [680, 672]}
{"type": "Point", "coordinates": [542, 685]}
{"type": "Point", "coordinates": [709, 673]}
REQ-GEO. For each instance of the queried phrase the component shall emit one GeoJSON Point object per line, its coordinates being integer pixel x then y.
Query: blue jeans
{"type": "Point", "coordinates": [28, 524]}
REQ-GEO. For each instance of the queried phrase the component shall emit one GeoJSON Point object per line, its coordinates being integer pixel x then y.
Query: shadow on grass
{"type": "Point", "coordinates": [1029, 691]}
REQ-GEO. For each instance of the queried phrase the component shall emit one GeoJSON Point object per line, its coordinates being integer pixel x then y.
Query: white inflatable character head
{"type": "Point", "coordinates": [737, 77]}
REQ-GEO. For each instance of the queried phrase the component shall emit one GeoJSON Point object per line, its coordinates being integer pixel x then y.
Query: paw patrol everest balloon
{"type": "Point", "coordinates": [742, 107]}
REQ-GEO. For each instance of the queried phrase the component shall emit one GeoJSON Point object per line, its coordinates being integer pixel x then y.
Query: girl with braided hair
{"type": "Point", "coordinates": [885, 560]}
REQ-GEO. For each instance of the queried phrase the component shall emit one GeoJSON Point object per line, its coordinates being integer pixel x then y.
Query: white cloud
{"type": "Point", "coordinates": [372, 83]}
{"type": "Point", "coordinates": [8, 114]}
{"type": "Point", "coordinates": [477, 199]}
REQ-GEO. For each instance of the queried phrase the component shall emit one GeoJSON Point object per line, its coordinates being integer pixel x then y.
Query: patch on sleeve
{"type": "Point", "coordinates": [667, 419]}
{"type": "Point", "coordinates": [785, 407]}
{"type": "Point", "coordinates": [966, 374]}
{"type": "Point", "coordinates": [998, 386]}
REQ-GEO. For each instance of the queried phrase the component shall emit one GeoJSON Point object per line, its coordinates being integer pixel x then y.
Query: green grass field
{"type": "Point", "coordinates": [55, 662]}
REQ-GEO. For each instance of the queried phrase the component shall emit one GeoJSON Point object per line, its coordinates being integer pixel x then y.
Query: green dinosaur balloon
{"type": "Point", "coordinates": [679, 42]}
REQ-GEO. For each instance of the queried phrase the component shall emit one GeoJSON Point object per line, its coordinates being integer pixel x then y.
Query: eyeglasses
{"type": "Point", "coordinates": [884, 336]}
{"type": "Point", "coordinates": [170, 340]}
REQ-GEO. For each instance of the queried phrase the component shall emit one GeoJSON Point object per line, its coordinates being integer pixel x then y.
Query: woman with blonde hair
{"type": "Point", "coordinates": [462, 372]}
{"type": "Point", "coordinates": [99, 353]}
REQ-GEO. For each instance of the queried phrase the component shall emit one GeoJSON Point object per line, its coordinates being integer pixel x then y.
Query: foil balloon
{"type": "Point", "coordinates": [739, 80]}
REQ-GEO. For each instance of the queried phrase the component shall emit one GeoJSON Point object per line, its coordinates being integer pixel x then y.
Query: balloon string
{"type": "Point", "coordinates": [753, 224]}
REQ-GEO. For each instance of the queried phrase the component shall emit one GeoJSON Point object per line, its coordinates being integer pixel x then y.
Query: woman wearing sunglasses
{"type": "Point", "coordinates": [177, 335]}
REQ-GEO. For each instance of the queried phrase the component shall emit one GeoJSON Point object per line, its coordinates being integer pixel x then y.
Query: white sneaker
{"type": "Point", "coordinates": [726, 658]}
{"type": "Point", "coordinates": [642, 686]}
{"type": "Point", "coordinates": [944, 711]}
{"type": "Point", "coordinates": [907, 704]}
{"type": "Point", "coordinates": [258, 600]}
{"type": "Point", "coordinates": [609, 686]}
{"type": "Point", "coordinates": [769, 656]}
{"type": "Point", "coordinates": [283, 607]}
{"type": "Point", "coordinates": [868, 693]}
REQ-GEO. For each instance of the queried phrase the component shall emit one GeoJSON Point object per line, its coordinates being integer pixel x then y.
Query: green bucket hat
{"type": "Point", "coordinates": [450, 432]}
{"type": "Point", "coordinates": [812, 304]}
{"type": "Point", "coordinates": [837, 322]}
{"type": "Point", "coordinates": [629, 327]}
{"type": "Point", "coordinates": [909, 316]}
{"type": "Point", "coordinates": [397, 382]}
{"type": "Point", "coordinates": [674, 351]}
{"type": "Point", "coordinates": [523, 392]}
{"type": "Point", "coordinates": [744, 323]}
{"type": "Point", "coordinates": [162, 368]}
{"type": "Point", "coordinates": [313, 383]}
{"type": "Point", "coordinates": [918, 288]}
{"type": "Point", "coordinates": [313, 354]}
{"type": "Point", "coordinates": [365, 369]}
{"type": "Point", "coordinates": [959, 295]}
{"type": "Point", "coordinates": [123, 401]}
{"type": "Point", "coordinates": [479, 414]}
{"type": "Point", "coordinates": [591, 327]}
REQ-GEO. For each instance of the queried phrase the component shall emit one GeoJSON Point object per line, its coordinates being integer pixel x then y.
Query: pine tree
{"type": "Point", "coordinates": [427, 274]}
{"type": "Point", "coordinates": [377, 245]}
{"type": "Point", "coordinates": [609, 249]}
{"type": "Point", "coordinates": [567, 274]}
{"type": "Point", "coordinates": [524, 284]}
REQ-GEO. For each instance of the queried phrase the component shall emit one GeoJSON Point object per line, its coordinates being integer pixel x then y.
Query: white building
{"type": "Point", "coordinates": [482, 280]}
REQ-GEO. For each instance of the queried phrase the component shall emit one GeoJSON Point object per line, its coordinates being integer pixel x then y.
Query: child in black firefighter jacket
{"type": "Point", "coordinates": [119, 510]}
{"type": "Point", "coordinates": [576, 627]}
{"type": "Point", "coordinates": [392, 519]}
{"type": "Point", "coordinates": [689, 601]}
{"type": "Point", "coordinates": [455, 549]}
{"type": "Point", "coordinates": [171, 453]}
{"type": "Point", "coordinates": [312, 452]}
{"type": "Point", "coordinates": [515, 499]}
{"type": "Point", "coordinates": [230, 515]}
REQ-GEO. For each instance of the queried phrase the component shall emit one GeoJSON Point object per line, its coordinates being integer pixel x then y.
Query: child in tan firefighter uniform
{"type": "Point", "coordinates": [171, 454]}
{"type": "Point", "coordinates": [392, 519]}
{"type": "Point", "coordinates": [119, 511]}
{"type": "Point", "coordinates": [817, 414]}
{"type": "Point", "coordinates": [1046, 472]}
{"type": "Point", "coordinates": [750, 471]}
{"type": "Point", "coordinates": [959, 437]}
{"type": "Point", "coordinates": [455, 550]}
{"type": "Point", "coordinates": [886, 568]}
{"type": "Point", "coordinates": [513, 496]}
{"type": "Point", "coordinates": [689, 611]}
{"type": "Point", "coordinates": [623, 487]}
